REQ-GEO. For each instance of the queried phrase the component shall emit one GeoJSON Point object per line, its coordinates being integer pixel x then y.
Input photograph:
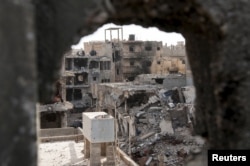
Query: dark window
{"type": "Point", "coordinates": [117, 56]}
{"type": "Point", "coordinates": [94, 78]}
{"type": "Point", "coordinates": [117, 53]}
{"type": "Point", "coordinates": [105, 80]}
{"type": "Point", "coordinates": [92, 52]}
{"type": "Point", "coordinates": [77, 94]}
{"type": "Point", "coordinates": [51, 117]}
{"type": "Point", "coordinates": [183, 61]}
{"type": "Point", "coordinates": [117, 71]}
{"type": "Point", "coordinates": [80, 63]}
{"type": "Point", "coordinates": [101, 66]}
{"type": "Point", "coordinates": [131, 78]}
{"type": "Point", "coordinates": [158, 48]}
{"type": "Point", "coordinates": [131, 49]}
{"type": "Point", "coordinates": [113, 57]}
{"type": "Point", "coordinates": [132, 63]}
{"type": "Point", "coordinates": [68, 64]}
{"type": "Point", "coordinates": [105, 65]}
{"type": "Point", "coordinates": [69, 94]}
{"type": "Point", "coordinates": [148, 48]}
{"type": "Point", "coordinates": [148, 63]}
{"type": "Point", "coordinates": [93, 64]}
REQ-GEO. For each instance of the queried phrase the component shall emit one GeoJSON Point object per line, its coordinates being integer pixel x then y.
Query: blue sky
{"type": "Point", "coordinates": [150, 34]}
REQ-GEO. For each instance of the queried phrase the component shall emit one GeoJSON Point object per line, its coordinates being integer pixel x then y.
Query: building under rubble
{"type": "Point", "coordinates": [151, 120]}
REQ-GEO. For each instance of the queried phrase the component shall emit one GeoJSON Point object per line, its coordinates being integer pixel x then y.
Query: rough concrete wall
{"type": "Point", "coordinates": [102, 48]}
{"type": "Point", "coordinates": [18, 84]}
{"type": "Point", "coordinates": [174, 81]}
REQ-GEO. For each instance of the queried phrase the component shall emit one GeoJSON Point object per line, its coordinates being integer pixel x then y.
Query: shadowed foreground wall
{"type": "Point", "coordinates": [18, 94]}
{"type": "Point", "coordinates": [217, 38]}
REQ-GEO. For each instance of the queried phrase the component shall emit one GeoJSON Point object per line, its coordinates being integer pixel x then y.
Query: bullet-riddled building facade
{"type": "Point", "coordinates": [138, 56]}
{"type": "Point", "coordinates": [114, 61]}
{"type": "Point", "coordinates": [80, 71]}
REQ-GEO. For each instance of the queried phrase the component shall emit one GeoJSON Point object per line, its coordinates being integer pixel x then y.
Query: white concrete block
{"type": "Point", "coordinates": [98, 127]}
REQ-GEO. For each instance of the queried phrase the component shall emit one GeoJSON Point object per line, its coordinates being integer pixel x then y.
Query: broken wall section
{"type": "Point", "coordinates": [151, 122]}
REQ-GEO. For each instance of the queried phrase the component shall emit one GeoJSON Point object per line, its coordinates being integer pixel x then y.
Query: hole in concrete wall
{"type": "Point", "coordinates": [93, 53]}
{"type": "Point", "coordinates": [93, 64]}
{"type": "Point", "coordinates": [80, 63]}
{"type": "Point", "coordinates": [77, 94]}
{"type": "Point", "coordinates": [81, 78]}
{"type": "Point", "coordinates": [159, 80]}
{"type": "Point", "coordinates": [68, 64]}
{"type": "Point", "coordinates": [131, 78]}
{"type": "Point", "coordinates": [69, 94]}
{"type": "Point", "coordinates": [137, 99]}
{"type": "Point", "coordinates": [148, 48]}
{"type": "Point", "coordinates": [50, 120]}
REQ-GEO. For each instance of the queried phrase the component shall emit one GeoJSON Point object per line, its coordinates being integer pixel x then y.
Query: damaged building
{"type": "Point", "coordinates": [54, 115]}
{"type": "Point", "coordinates": [80, 71]}
{"type": "Point", "coordinates": [138, 56]}
{"type": "Point", "coordinates": [115, 60]}
{"type": "Point", "coordinates": [153, 124]}
{"type": "Point", "coordinates": [166, 80]}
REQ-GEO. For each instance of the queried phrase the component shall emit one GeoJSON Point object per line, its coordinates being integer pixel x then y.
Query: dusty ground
{"type": "Point", "coordinates": [66, 153]}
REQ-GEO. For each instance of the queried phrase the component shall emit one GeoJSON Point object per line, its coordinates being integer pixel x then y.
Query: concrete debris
{"type": "Point", "coordinates": [154, 124]}
{"type": "Point", "coordinates": [148, 161]}
{"type": "Point", "coordinates": [146, 135]}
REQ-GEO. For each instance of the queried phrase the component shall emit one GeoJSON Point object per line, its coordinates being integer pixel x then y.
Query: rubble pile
{"type": "Point", "coordinates": [160, 130]}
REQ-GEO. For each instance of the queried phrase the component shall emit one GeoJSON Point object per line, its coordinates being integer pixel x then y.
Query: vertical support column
{"type": "Point", "coordinates": [110, 155]}
{"type": "Point", "coordinates": [103, 149]}
{"type": "Point", "coordinates": [95, 154]}
{"type": "Point", "coordinates": [72, 63]}
{"type": "Point", "coordinates": [63, 119]}
{"type": "Point", "coordinates": [118, 35]}
{"type": "Point", "coordinates": [86, 148]}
